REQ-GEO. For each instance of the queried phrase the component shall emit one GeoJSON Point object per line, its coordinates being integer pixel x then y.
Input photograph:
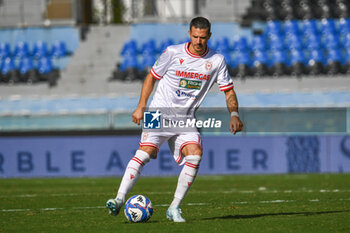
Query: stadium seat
{"type": "Point", "coordinates": [276, 42]}
{"type": "Point", "coordinates": [315, 62]}
{"type": "Point", "coordinates": [129, 48]}
{"type": "Point", "coordinates": [335, 62]}
{"type": "Point", "coordinates": [40, 49]}
{"type": "Point", "coordinates": [223, 45]}
{"type": "Point", "coordinates": [260, 63]}
{"type": "Point", "coordinates": [291, 27]}
{"type": "Point", "coordinates": [297, 62]}
{"type": "Point", "coordinates": [344, 25]}
{"type": "Point", "coordinates": [279, 63]}
{"type": "Point", "coordinates": [149, 47]}
{"type": "Point", "coordinates": [59, 49]}
{"type": "Point", "coordinates": [8, 71]}
{"type": "Point", "coordinates": [331, 41]}
{"type": "Point", "coordinates": [313, 41]}
{"type": "Point", "coordinates": [347, 61]}
{"type": "Point", "coordinates": [274, 28]}
{"type": "Point", "coordinates": [129, 68]}
{"type": "Point", "coordinates": [328, 26]}
{"type": "Point", "coordinates": [164, 44]}
{"type": "Point", "coordinates": [294, 41]}
{"type": "Point", "coordinates": [243, 64]}
{"type": "Point", "coordinates": [309, 26]}
{"type": "Point", "coordinates": [259, 42]}
{"type": "Point", "coordinates": [241, 44]}
{"type": "Point", "coordinates": [21, 49]}
{"type": "Point", "coordinates": [27, 71]}
{"type": "Point", "coordinates": [145, 66]}
{"type": "Point", "coordinates": [5, 50]}
{"type": "Point", "coordinates": [46, 71]}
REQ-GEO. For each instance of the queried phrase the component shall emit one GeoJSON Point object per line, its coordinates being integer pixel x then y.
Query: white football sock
{"type": "Point", "coordinates": [132, 173]}
{"type": "Point", "coordinates": [186, 178]}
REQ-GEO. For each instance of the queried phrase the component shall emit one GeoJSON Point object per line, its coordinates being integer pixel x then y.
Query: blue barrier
{"type": "Point", "coordinates": [108, 155]}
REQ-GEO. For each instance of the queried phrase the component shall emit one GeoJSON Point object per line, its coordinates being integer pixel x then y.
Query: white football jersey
{"type": "Point", "coordinates": [186, 78]}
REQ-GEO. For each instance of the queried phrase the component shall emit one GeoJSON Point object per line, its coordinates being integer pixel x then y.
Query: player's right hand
{"type": "Point", "coordinates": [137, 115]}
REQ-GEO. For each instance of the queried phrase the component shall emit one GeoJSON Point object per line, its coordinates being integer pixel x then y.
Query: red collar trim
{"type": "Point", "coordinates": [195, 55]}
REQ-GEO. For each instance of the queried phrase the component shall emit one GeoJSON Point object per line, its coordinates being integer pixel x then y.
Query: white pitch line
{"type": "Point", "coordinates": [165, 205]}
{"type": "Point", "coordinates": [260, 190]}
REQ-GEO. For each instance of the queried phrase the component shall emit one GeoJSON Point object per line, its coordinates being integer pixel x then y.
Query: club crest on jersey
{"type": "Point", "coordinates": [208, 65]}
{"type": "Point", "coordinates": [181, 61]}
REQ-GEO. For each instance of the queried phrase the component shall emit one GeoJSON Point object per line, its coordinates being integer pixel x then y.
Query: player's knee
{"type": "Point", "coordinates": [192, 149]}
{"type": "Point", "coordinates": [151, 151]}
{"type": "Point", "coordinates": [143, 156]}
{"type": "Point", "coordinates": [194, 159]}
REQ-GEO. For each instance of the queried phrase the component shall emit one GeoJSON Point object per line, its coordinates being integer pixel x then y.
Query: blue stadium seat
{"type": "Point", "coordinates": [223, 45]}
{"type": "Point", "coordinates": [27, 72]}
{"type": "Point", "coordinates": [21, 49]}
{"type": "Point", "coordinates": [243, 63]}
{"type": "Point", "coordinates": [147, 62]}
{"type": "Point", "coordinates": [149, 47]}
{"type": "Point", "coordinates": [315, 62]}
{"type": "Point", "coordinates": [328, 26]}
{"type": "Point", "coordinates": [259, 42]}
{"type": "Point", "coordinates": [335, 62]}
{"type": "Point", "coordinates": [241, 44]}
{"type": "Point", "coordinates": [294, 41]}
{"type": "Point", "coordinates": [40, 49]}
{"type": "Point", "coordinates": [309, 26]}
{"type": "Point", "coordinates": [129, 48]}
{"type": "Point", "coordinates": [46, 71]}
{"type": "Point", "coordinates": [279, 62]}
{"type": "Point", "coordinates": [331, 41]}
{"type": "Point", "coordinates": [129, 68]}
{"type": "Point", "coordinates": [274, 28]}
{"type": "Point", "coordinates": [5, 50]}
{"type": "Point", "coordinates": [347, 61]}
{"type": "Point", "coordinates": [291, 27]}
{"type": "Point", "coordinates": [276, 42]}
{"type": "Point", "coordinates": [313, 41]}
{"type": "Point", "coordinates": [8, 70]}
{"type": "Point", "coordinates": [344, 25]}
{"type": "Point", "coordinates": [297, 62]}
{"type": "Point", "coordinates": [44, 65]}
{"type": "Point", "coordinates": [260, 63]}
{"type": "Point", "coordinates": [164, 44]}
{"type": "Point", "coordinates": [59, 49]}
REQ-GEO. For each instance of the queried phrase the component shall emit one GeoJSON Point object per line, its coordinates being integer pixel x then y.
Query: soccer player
{"type": "Point", "coordinates": [192, 61]}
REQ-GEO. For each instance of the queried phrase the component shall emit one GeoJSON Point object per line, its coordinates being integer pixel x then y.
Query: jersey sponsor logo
{"type": "Point", "coordinates": [181, 61]}
{"type": "Point", "coordinates": [190, 84]}
{"type": "Point", "coordinates": [180, 93]}
{"type": "Point", "coordinates": [152, 119]}
{"type": "Point", "coordinates": [192, 75]}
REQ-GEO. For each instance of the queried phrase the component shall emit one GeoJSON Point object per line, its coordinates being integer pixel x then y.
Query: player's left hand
{"type": "Point", "coordinates": [236, 124]}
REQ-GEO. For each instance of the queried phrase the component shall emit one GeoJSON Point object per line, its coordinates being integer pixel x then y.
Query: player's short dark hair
{"type": "Point", "coordinates": [200, 22]}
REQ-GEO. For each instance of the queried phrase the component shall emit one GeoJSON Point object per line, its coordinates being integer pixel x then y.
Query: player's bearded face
{"type": "Point", "coordinates": [199, 39]}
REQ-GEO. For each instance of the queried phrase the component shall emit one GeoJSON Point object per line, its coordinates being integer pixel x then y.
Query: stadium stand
{"type": "Point", "coordinates": [33, 54]}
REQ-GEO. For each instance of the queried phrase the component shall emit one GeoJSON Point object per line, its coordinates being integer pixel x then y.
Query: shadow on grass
{"type": "Point", "coordinates": [274, 214]}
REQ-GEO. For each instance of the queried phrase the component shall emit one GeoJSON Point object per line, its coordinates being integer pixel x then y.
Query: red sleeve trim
{"type": "Point", "coordinates": [155, 75]}
{"type": "Point", "coordinates": [226, 87]}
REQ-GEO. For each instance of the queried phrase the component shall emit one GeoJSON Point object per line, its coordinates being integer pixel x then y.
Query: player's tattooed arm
{"type": "Point", "coordinates": [236, 124]}
{"type": "Point", "coordinates": [146, 91]}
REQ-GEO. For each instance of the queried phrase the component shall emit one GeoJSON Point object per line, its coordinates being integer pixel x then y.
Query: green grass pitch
{"type": "Point", "coordinates": [249, 203]}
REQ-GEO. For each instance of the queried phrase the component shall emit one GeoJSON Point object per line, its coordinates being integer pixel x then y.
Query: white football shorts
{"type": "Point", "coordinates": [176, 142]}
